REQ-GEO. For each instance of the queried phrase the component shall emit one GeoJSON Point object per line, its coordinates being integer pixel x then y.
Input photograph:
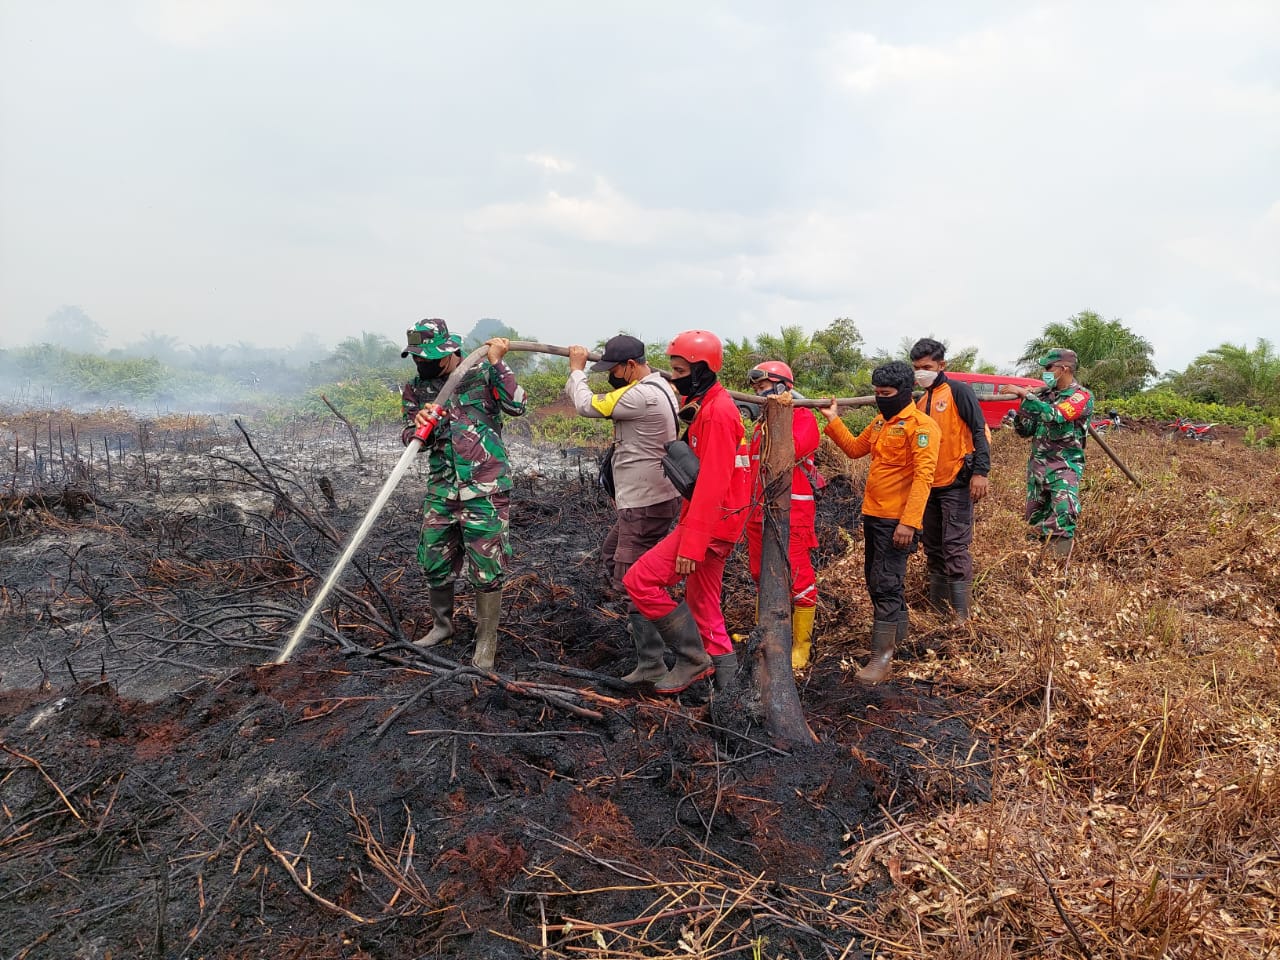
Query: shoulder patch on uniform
{"type": "Point", "coordinates": [922, 439]}
{"type": "Point", "coordinates": [605, 402]}
{"type": "Point", "coordinates": [1079, 397]}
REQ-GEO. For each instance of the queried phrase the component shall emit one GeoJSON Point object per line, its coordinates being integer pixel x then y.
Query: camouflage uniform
{"type": "Point", "coordinates": [1057, 423]}
{"type": "Point", "coordinates": [468, 501]}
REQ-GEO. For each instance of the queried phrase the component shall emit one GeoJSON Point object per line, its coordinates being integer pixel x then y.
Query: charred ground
{"type": "Point", "coordinates": [165, 795]}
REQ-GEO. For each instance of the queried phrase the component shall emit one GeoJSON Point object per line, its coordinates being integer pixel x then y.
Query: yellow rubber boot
{"type": "Point", "coordinates": [744, 637]}
{"type": "Point", "coordinates": [801, 635]}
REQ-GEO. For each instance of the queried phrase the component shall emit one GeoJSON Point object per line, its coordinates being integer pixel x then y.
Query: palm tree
{"type": "Point", "coordinates": [796, 349]}
{"type": "Point", "coordinates": [208, 357]}
{"type": "Point", "coordinates": [967, 360]}
{"type": "Point", "coordinates": [161, 346]}
{"type": "Point", "coordinates": [738, 359]}
{"type": "Point", "coordinates": [962, 360]}
{"type": "Point", "coordinates": [1113, 359]}
{"type": "Point", "coordinates": [367, 352]}
{"type": "Point", "coordinates": [1235, 374]}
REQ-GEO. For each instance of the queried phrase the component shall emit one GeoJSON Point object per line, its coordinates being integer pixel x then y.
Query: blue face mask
{"type": "Point", "coordinates": [1050, 379]}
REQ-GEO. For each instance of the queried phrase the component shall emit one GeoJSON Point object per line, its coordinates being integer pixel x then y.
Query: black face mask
{"type": "Point", "coordinates": [618, 382]}
{"type": "Point", "coordinates": [429, 369]}
{"type": "Point", "coordinates": [701, 378]}
{"type": "Point", "coordinates": [890, 406]}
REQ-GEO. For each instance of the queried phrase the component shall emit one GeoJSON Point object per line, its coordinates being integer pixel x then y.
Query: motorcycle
{"type": "Point", "coordinates": [1185, 429]}
{"type": "Point", "coordinates": [1108, 424]}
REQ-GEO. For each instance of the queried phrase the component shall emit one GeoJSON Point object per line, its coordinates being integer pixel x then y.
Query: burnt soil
{"type": "Point", "coordinates": [164, 794]}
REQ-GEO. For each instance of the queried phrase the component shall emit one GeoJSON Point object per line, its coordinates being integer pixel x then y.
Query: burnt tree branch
{"type": "Point", "coordinates": [775, 681]}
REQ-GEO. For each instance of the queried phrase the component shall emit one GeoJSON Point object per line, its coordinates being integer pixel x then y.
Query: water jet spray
{"type": "Point", "coordinates": [422, 434]}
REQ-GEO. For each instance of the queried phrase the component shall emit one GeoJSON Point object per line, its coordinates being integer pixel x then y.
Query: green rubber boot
{"type": "Point", "coordinates": [488, 612]}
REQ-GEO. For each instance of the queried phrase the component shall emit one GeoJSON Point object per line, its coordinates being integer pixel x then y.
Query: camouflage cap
{"type": "Point", "coordinates": [431, 340]}
{"type": "Point", "coordinates": [1059, 355]}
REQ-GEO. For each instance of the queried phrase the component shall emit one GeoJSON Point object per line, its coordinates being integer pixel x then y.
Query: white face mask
{"type": "Point", "coordinates": [925, 378]}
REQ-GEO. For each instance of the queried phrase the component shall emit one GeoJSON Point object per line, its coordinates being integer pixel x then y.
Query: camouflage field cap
{"type": "Point", "coordinates": [1059, 355]}
{"type": "Point", "coordinates": [431, 340]}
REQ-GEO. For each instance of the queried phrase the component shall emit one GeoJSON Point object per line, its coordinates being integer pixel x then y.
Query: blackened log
{"type": "Point", "coordinates": [784, 717]}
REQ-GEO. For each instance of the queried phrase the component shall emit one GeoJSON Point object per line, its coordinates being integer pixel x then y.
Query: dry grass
{"type": "Point", "coordinates": [1134, 710]}
{"type": "Point", "coordinates": [1133, 713]}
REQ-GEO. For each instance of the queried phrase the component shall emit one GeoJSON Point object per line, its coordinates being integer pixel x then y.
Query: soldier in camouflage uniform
{"type": "Point", "coordinates": [467, 508]}
{"type": "Point", "coordinates": [1056, 418]}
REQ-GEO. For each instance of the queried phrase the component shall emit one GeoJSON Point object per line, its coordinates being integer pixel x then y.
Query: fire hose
{"type": "Point", "coordinates": [421, 435]}
{"type": "Point", "coordinates": [1112, 454]}
{"type": "Point", "coordinates": [1106, 447]}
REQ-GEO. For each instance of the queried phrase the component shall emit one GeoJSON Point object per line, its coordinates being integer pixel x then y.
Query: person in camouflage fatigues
{"type": "Point", "coordinates": [466, 509]}
{"type": "Point", "coordinates": [1056, 419]}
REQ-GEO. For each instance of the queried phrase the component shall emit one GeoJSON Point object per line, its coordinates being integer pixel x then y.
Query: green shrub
{"type": "Point", "coordinates": [87, 376]}
{"type": "Point", "coordinates": [572, 429]}
{"type": "Point", "coordinates": [1265, 436]}
{"type": "Point", "coordinates": [858, 418]}
{"type": "Point", "coordinates": [1166, 406]}
{"type": "Point", "coordinates": [545, 385]}
{"type": "Point", "coordinates": [363, 402]}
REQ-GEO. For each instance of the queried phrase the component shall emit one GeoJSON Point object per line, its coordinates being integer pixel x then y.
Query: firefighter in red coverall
{"type": "Point", "coordinates": [709, 525]}
{"type": "Point", "coordinates": [774, 376]}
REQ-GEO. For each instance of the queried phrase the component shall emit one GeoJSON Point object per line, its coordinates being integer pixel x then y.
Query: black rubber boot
{"type": "Point", "coordinates": [938, 592]}
{"type": "Point", "coordinates": [488, 612]}
{"type": "Point", "coordinates": [726, 666]}
{"type": "Point", "coordinates": [884, 637]}
{"type": "Point", "coordinates": [961, 591]}
{"type": "Point", "coordinates": [441, 602]}
{"type": "Point", "coordinates": [680, 633]}
{"type": "Point", "coordinates": [649, 650]}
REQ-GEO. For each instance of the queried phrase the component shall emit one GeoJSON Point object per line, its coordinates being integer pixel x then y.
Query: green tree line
{"type": "Point", "coordinates": [361, 374]}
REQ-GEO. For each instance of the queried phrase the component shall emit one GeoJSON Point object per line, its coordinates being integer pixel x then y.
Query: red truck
{"type": "Point", "coordinates": [987, 386]}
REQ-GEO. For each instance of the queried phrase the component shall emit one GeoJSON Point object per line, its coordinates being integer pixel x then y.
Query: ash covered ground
{"type": "Point", "coordinates": [166, 795]}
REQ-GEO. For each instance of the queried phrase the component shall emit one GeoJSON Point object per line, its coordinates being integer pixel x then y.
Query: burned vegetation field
{"type": "Point", "coordinates": [1085, 770]}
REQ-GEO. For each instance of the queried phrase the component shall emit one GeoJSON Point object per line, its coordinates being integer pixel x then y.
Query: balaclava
{"type": "Point", "coordinates": [701, 378]}
{"type": "Point", "coordinates": [898, 375]}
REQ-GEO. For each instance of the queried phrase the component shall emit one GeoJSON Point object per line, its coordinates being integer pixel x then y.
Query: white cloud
{"type": "Point", "coordinates": [604, 215]}
{"type": "Point", "coordinates": [971, 170]}
{"type": "Point", "coordinates": [547, 162]}
{"type": "Point", "coordinates": [196, 23]}
{"type": "Point", "coordinates": [864, 64]}
{"type": "Point", "coordinates": [1003, 59]}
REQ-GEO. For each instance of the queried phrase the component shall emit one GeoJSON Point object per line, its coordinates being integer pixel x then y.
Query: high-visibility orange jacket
{"type": "Point", "coordinates": [904, 454]}
{"type": "Point", "coordinates": [953, 406]}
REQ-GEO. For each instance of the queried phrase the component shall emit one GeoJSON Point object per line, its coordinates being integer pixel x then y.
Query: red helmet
{"type": "Point", "coordinates": [695, 345]}
{"type": "Point", "coordinates": [774, 370]}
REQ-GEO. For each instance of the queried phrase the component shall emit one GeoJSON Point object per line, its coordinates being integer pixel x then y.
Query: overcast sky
{"type": "Point", "coordinates": [269, 171]}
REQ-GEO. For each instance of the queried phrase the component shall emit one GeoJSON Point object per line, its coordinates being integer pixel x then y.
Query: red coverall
{"type": "Point", "coordinates": [707, 529]}
{"type": "Point", "coordinates": [804, 586]}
